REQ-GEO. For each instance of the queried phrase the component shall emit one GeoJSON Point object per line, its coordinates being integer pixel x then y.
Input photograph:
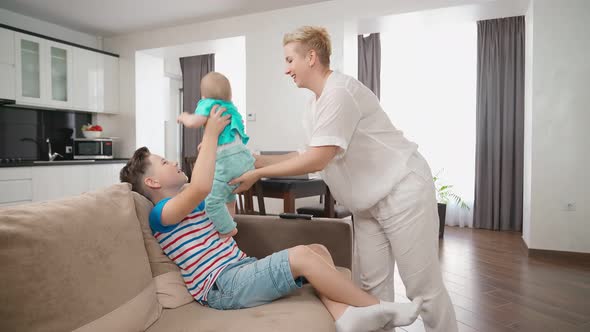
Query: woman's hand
{"type": "Point", "coordinates": [216, 122]}
{"type": "Point", "coordinates": [245, 181]}
{"type": "Point", "coordinates": [258, 162]}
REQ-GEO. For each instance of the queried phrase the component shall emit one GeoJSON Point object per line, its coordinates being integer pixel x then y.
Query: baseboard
{"type": "Point", "coordinates": [579, 257]}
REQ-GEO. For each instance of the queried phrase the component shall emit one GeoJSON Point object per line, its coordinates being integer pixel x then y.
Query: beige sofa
{"type": "Point", "coordinates": [89, 263]}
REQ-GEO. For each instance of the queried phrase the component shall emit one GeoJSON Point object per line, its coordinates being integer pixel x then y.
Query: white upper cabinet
{"type": "Point", "coordinates": [7, 71]}
{"type": "Point", "coordinates": [108, 84]}
{"type": "Point", "coordinates": [44, 73]}
{"type": "Point", "coordinates": [31, 72]}
{"type": "Point", "coordinates": [85, 89]}
{"type": "Point", "coordinates": [7, 49]}
{"type": "Point", "coordinates": [60, 74]}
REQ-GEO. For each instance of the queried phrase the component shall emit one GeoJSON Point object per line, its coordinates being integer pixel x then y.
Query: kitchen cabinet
{"type": "Point", "coordinates": [7, 70]}
{"type": "Point", "coordinates": [59, 78]}
{"type": "Point", "coordinates": [108, 84]}
{"type": "Point", "coordinates": [86, 77]}
{"type": "Point", "coordinates": [43, 73]}
{"type": "Point", "coordinates": [54, 182]}
{"type": "Point", "coordinates": [15, 185]}
{"type": "Point", "coordinates": [39, 183]}
{"type": "Point", "coordinates": [30, 76]}
{"type": "Point", "coordinates": [101, 176]}
{"type": "Point", "coordinates": [97, 82]}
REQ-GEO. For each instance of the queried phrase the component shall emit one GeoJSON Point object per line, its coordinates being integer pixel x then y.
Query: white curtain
{"type": "Point", "coordinates": [428, 88]}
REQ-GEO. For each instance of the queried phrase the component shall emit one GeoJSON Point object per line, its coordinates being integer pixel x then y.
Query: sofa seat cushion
{"type": "Point", "coordinates": [300, 311]}
{"type": "Point", "coordinates": [75, 264]}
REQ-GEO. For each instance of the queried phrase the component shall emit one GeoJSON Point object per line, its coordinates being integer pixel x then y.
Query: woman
{"type": "Point", "coordinates": [373, 170]}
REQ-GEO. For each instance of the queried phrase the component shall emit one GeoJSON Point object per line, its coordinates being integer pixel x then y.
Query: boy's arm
{"type": "Point", "coordinates": [192, 120]}
{"type": "Point", "coordinates": [202, 176]}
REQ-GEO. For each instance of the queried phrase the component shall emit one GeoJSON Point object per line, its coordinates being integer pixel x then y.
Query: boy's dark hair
{"type": "Point", "coordinates": [135, 169]}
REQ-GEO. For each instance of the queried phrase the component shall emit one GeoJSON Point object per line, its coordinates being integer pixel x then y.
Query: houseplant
{"type": "Point", "coordinates": [444, 195]}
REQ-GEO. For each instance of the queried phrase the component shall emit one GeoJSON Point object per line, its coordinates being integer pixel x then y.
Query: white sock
{"type": "Point", "coordinates": [357, 319]}
{"type": "Point", "coordinates": [378, 316]}
{"type": "Point", "coordinates": [402, 314]}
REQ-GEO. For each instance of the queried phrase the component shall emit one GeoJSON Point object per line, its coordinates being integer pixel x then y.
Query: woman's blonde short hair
{"type": "Point", "coordinates": [316, 38]}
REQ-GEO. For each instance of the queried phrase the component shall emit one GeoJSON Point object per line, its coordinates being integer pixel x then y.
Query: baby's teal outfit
{"type": "Point", "coordinates": [235, 126]}
{"type": "Point", "coordinates": [233, 159]}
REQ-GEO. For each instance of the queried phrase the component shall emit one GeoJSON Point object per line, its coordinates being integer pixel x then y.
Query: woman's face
{"type": "Point", "coordinates": [297, 64]}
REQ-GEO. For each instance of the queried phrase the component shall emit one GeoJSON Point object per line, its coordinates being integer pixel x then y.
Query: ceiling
{"type": "Point", "coordinates": [114, 17]}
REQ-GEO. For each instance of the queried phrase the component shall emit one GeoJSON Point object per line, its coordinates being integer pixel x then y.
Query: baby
{"type": "Point", "coordinates": [233, 158]}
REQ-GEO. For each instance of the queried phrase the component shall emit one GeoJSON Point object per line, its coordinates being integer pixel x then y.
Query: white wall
{"type": "Point", "coordinates": [559, 119]}
{"type": "Point", "coordinates": [153, 99]}
{"type": "Point", "coordinates": [48, 29]}
{"type": "Point", "coordinates": [528, 125]}
{"type": "Point", "coordinates": [230, 60]}
{"type": "Point", "coordinates": [451, 15]}
{"type": "Point", "coordinates": [270, 94]}
{"type": "Point", "coordinates": [172, 128]}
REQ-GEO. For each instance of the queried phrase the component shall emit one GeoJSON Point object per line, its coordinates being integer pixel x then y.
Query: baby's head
{"type": "Point", "coordinates": [215, 86]}
{"type": "Point", "coordinates": [149, 173]}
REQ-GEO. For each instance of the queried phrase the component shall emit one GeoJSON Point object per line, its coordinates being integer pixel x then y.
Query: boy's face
{"type": "Point", "coordinates": [164, 174]}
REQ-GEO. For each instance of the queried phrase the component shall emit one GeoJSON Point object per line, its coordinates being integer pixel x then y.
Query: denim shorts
{"type": "Point", "coordinates": [251, 282]}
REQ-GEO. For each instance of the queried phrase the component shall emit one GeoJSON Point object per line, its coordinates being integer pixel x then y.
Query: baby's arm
{"type": "Point", "coordinates": [191, 120]}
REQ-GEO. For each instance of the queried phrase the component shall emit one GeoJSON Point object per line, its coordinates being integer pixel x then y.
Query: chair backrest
{"type": "Point", "coordinates": [245, 201]}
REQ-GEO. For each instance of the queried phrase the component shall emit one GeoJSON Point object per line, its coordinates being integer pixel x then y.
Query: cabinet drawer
{"type": "Point", "coordinates": [15, 173]}
{"type": "Point", "coordinates": [16, 191]}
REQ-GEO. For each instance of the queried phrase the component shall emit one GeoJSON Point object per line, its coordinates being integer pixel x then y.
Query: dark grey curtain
{"type": "Point", "coordinates": [500, 124]}
{"type": "Point", "coordinates": [193, 69]}
{"type": "Point", "coordinates": [369, 64]}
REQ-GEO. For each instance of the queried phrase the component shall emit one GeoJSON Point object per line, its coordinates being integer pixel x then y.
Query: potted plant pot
{"type": "Point", "coordinates": [442, 213]}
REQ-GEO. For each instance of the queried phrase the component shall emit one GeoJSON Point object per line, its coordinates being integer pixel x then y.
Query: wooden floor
{"type": "Point", "coordinates": [496, 286]}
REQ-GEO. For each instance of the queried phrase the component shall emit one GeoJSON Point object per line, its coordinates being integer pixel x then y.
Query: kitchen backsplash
{"type": "Point", "coordinates": [23, 132]}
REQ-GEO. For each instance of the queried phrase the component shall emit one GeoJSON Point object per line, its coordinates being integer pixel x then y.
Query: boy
{"type": "Point", "coordinates": [233, 158]}
{"type": "Point", "coordinates": [218, 274]}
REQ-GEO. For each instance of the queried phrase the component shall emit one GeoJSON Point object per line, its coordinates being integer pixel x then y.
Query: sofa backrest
{"type": "Point", "coordinates": [170, 287]}
{"type": "Point", "coordinates": [75, 264]}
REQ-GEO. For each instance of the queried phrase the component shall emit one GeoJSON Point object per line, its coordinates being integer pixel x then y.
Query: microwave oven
{"type": "Point", "coordinates": [92, 148]}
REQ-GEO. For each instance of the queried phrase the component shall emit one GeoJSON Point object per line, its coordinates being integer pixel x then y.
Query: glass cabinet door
{"type": "Point", "coordinates": [59, 73]}
{"type": "Point", "coordinates": [30, 56]}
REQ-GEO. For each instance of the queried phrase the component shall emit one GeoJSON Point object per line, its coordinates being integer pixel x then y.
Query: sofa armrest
{"type": "Point", "coordinates": [260, 236]}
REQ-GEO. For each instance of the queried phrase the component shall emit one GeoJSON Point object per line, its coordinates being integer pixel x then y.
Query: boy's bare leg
{"type": "Point", "coordinates": [326, 279]}
{"type": "Point", "coordinates": [336, 309]}
{"type": "Point", "coordinates": [352, 308]}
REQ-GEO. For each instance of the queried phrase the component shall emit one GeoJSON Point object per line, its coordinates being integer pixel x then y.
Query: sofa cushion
{"type": "Point", "coordinates": [75, 264]}
{"type": "Point", "coordinates": [300, 311]}
{"type": "Point", "coordinates": [170, 287]}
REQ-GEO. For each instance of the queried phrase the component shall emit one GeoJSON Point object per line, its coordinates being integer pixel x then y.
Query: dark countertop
{"type": "Point", "coordinates": [29, 163]}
